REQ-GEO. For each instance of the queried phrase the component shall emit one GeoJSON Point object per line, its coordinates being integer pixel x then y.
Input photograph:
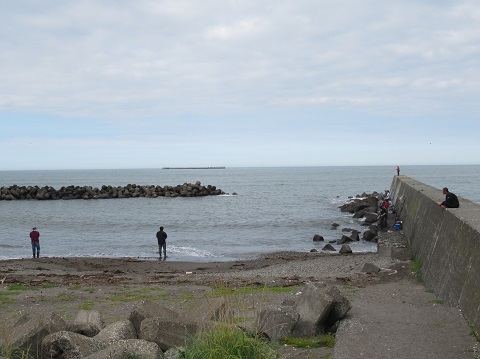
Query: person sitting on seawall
{"type": "Point", "coordinates": [451, 201]}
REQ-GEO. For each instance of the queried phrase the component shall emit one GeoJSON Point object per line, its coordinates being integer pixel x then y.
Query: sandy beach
{"type": "Point", "coordinates": [391, 298]}
{"type": "Point", "coordinates": [115, 285]}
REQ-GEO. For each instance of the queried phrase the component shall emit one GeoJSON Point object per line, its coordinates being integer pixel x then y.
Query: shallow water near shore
{"type": "Point", "coordinates": [275, 209]}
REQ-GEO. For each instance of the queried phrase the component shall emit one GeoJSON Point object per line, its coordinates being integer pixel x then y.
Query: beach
{"type": "Point", "coordinates": [114, 286]}
{"type": "Point", "coordinates": [387, 305]}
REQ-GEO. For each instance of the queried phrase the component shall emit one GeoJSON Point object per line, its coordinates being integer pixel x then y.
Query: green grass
{"type": "Point", "coordinates": [5, 297]}
{"type": "Point", "coordinates": [186, 296]}
{"type": "Point", "coordinates": [126, 295]}
{"type": "Point", "coordinates": [14, 353]}
{"type": "Point", "coordinates": [46, 286]}
{"type": "Point", "coordinates": [474, 333]}
{"type": "Point", "coordinates": [20, 287]}
{"type": "Point", "coordinates": [417, 269]}
{"type": "Point", "coordinates": [228, 342]}
{"type": "Point", "coordinates": [133, 356]}
{"type": "Point", "coordinates": [320, 341]}
{"type": "Point", "coordinates": [63, 297]}
{"type": "Point", "coordinates": [11, 353]}
{"type": "Point", "coordinates": [222, 290]}
{"type": "Point", "coordinates": [86, 306]}
{"type": "Point", "coordinates": [437, 301]}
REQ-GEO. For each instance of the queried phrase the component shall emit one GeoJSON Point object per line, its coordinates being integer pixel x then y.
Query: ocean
{"type": "Point", "coordinates": [274, 209]}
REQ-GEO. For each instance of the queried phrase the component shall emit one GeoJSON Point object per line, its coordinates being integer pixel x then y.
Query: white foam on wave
{"type": "Point", "coordinates": [191, 251]}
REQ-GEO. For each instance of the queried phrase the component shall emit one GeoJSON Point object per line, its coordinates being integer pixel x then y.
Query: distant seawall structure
{"type": "Point", "coordinates": [87, 192]}
{"type": "Point", "coordinates": [194, 168]}
{"type": "Point", "coordinates": [446, 241]}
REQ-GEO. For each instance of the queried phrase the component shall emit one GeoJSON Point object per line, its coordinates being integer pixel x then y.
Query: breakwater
{"type": "Point", "coordinates": [15, 192]}
{"type": "Point", "coordinates": [445, 241]}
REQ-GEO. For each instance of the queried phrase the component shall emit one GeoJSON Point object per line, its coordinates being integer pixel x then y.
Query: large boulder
{"type": "Point", "coordinates": [345, 249]}
{"type": "Point", "coordinates": [315, 305]}
{"type": "Point", "coordinates": [167, 333]}
{"type": "Point", "coordinates": [276, 322]}
{"type": "Point", "coordinates": [150, 309]}
{"type": "Point", "coordinates": [87, 322]}
{"type": "Point", "coordinates": [28, 332]}
{"type": "Point", "coordinates": [211, 309]}
{"type": "Point", "coordinates": [370, 217]}
{"type": "Point", "coordinates": [328, 247]}
{"type": "Point", "coordinates": [117, 331]}
{"type": "Point", "coordinates": [63, 344]}
{"type": "Point", "coordinates": [370, 236]}
{"type": "Point", "coordinates": [344, 239]}
{"type": "Point", "coordinates": [131, 348]}
{"type": "Point", "coordinates": [359, 204]}
{"type": "Point", "coordinates": [370, 268]}
{"type": "Point", "coordinates": [355, 236]}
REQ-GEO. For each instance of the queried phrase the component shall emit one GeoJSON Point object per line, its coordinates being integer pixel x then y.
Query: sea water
{"type": "Point", "coordinates": [264, 210]}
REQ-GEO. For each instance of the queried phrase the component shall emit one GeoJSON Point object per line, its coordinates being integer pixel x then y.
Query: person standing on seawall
{"type": "Point", "coordinates": [35, 239]}
{"type": "Point", "coordinates": [398, 170]}
{"type": "Point", "coordinates": [162, 242]}
{"type": "Point", "coordinates": [451, 201]}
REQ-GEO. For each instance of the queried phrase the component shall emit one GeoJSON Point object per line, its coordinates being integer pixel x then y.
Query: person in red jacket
{"type": "Point", "coordinates": [35, 238]}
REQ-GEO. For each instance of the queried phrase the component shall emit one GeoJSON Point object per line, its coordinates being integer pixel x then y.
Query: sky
{"type": "Point", "coordinates": [90, 84]}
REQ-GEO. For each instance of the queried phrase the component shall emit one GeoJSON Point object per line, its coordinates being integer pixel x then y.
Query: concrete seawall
{"type": "Point", "coordinates": [446, 241]}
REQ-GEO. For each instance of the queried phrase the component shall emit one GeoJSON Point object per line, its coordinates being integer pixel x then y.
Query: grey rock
{"type": "Point", "coordinates": [370, 268]}
{"type": "Point", "coordinates": [345, 249]}
{"type": "Point", "coordinates": [117, 331]}
{"type": "Point", "coordinates": [276, 322]}
{"type": "Point", "coordinates": [129, 348]}
{"type": "Point", "coordinates": [355, 236]}
{"type": "Point", "coordinates": [28, 331]}
{"type": "Point", "coordinates": [217, 309]}
{"type": "Point", "coordinates": [87, 322]}
{"type": "Point", "coordinates": [61, 345]}
{"type": "Point", "coordinates": [167, 334]}
{"type": "Point", "coordinates": [149, 309]}
{"type": "Point", "coordinates": [313, 307]}
{"type": "Point", "coordinates": [328, 247]}
{"type": "Point", "coordinates": [319, 306]}
{"type": "Point", "coordinates": [344, 239]}
{"type": "Point", "coordinates": [369, 236]}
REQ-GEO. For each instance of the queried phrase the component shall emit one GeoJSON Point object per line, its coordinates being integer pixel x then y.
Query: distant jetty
{"type": "Point", "coordinates": [87, 192]}
{"type": "Point", "coordinates": [195, 168]}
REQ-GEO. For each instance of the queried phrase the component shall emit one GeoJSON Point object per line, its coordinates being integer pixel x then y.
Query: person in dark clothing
{"type": "Point", "coordinates": [398, 170]}
{"type": "Point", "coordinates": [35, 239]}
{"type": "Point", "coordinates": [451, 201]}
{"type": "Point", "coordinates": [383, 216]}
{"type": "Point", "coordinates": [162, 242]}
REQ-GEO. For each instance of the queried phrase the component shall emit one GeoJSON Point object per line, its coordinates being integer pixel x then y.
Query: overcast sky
{"type": "Point", "coordinates": [146, 84]}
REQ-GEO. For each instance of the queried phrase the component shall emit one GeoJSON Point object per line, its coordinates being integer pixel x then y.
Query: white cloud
{"type": "Point", "coordinates": [273, 66]}
{"type": "Point", "coordinates": [245, 27]}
